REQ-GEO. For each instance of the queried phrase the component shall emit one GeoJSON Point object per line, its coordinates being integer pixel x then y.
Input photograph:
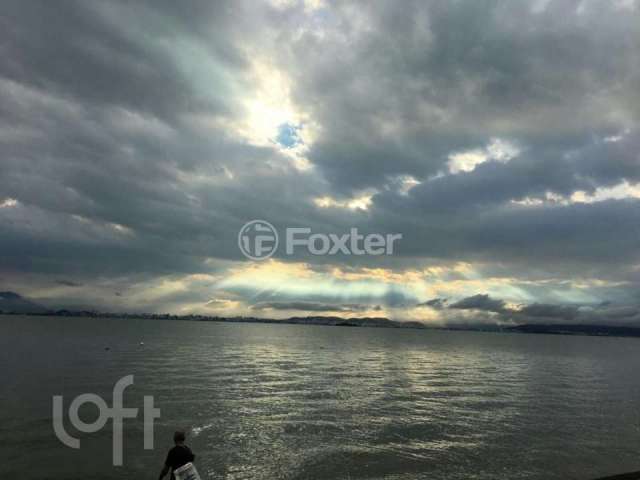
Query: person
{"type": "Point", "coordinates": [177, 456]}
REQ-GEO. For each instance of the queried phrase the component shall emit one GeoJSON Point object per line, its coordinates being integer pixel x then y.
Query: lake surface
{"type": "Point", "coordinates": [312, 402]}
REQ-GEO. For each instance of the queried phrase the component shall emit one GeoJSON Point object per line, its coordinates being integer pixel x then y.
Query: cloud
{"type": "Point", "coordinates": [436, 303]}
{"type": "Point", "coordinates": [555, 312]}
{"type": "Point", "coordinates": [411, 90]}
{"type": "Point", "coordinates": [479, 302]}
{"type": "Point", "coordinates": [137, 139]}
{"type": "Point", "coordinates": [69, 283]}
{"type": "Point", "coordinates": [545, 313]}
{"type": "Point", "coordinates": [315, 307]}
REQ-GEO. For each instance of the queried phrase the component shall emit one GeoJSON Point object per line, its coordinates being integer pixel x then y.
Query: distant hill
{"type": "Point", "coordinates": [379, 322]}
{"type": "Point", "coordinates": [11, 302]}
{"type": "Point", "coordinates": [344, 322]}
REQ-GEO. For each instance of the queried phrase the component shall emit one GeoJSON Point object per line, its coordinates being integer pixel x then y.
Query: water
{"type": "Point", "coordinates": [311, 402]}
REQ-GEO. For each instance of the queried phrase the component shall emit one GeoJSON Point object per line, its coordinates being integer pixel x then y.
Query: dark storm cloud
{"type": "Point", "coordinates": [114, 54]}
{"type": "Point", "coordinates": [413, 85]}
{"type": "Point", "coordinates": [540, 313]}
{"type": "Point", "coordinates": [479, 302]}
{"type": "Point", "coordinates": [556, 312]}
{"type": "Point", "coordinates": [120, 155]}
{"type": "Point", "coordinates": [99, 134]}
{"type": "Point", "coordinates": [583, 166]}
{"type": "Point", "coordinates": [628, 315]}
{"type": "Point", "coordinates": [69, 283]}
{"type": "Point", "coordinates": [402, 87]}
{"type": "Point", "coordinates": [436, 303]}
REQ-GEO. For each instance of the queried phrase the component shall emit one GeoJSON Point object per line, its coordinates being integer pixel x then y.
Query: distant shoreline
{"type": "Point", "coordinates": [371, 322]}
{"type": "Point", "coordinates": [362, 322]}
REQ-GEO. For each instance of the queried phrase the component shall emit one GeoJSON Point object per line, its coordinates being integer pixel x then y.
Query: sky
{"type": "Point", "coordinates": [501, 139]}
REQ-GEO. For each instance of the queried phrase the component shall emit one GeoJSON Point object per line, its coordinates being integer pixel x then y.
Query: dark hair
{"type": "Point", "coordinates": [179, 436]}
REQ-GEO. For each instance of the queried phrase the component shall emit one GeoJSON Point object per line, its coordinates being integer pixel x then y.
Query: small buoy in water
{"type": "Point", "coordinates": [141, 343]}
{"type": "Point", "coordinates": [107, 348]}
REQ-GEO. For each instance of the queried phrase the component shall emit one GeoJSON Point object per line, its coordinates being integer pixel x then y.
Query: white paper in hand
{"type": "Point", "coordinates": [186, 472]}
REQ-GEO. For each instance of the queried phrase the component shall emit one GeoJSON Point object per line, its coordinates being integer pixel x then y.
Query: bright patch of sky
{"type": "Point", "coordinates": [621, 191]}
{"type": "Point", "coordinates": [288, 135]}
{"type": "Point", "coordinates": [361, 202]}
{"type": "Point", "coordinates": [8, 203]}
{"type": "Point", "coordinates": [496, 150]}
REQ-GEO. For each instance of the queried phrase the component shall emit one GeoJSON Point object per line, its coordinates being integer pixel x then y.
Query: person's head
{"type": "Point", "coordinates": [179, 437]}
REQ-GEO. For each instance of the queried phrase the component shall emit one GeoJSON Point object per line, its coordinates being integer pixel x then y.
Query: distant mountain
{"type": "Point", "coordinates": [344, 322]}
{"type": "Point", "coordinates": [379, 322]}
{"type": "Point", "coordinates": [11, 302]}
